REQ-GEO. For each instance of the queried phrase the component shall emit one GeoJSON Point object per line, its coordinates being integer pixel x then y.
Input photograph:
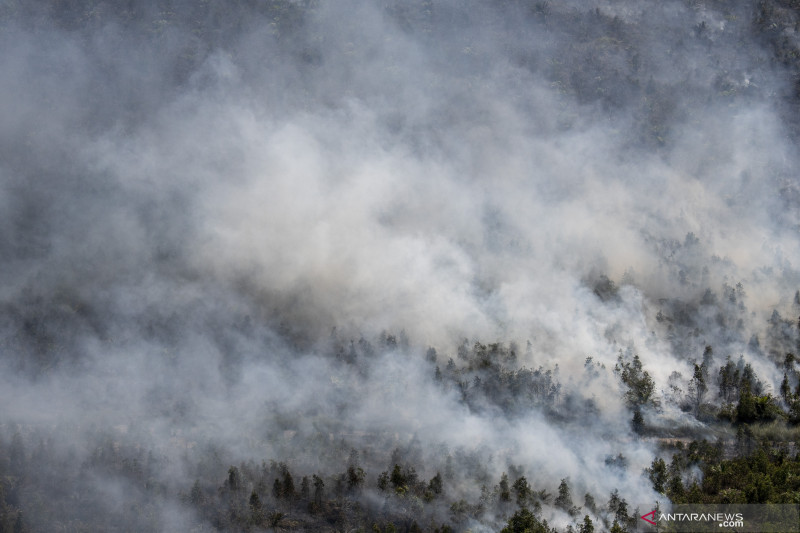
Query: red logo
{"type": "Point", "coordinates": [652, 514]}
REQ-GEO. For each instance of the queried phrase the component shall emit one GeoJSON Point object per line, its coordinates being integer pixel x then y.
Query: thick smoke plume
{"type": "Point", "coordinates": [232, 233]}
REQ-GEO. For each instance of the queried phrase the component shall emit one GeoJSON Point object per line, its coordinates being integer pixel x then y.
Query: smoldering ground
{"type": "Point", "coordinates": [215, 218]}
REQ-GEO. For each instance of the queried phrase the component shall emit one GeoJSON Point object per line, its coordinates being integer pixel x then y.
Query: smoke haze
{"type": "Point", "coordinates": [230, 233]}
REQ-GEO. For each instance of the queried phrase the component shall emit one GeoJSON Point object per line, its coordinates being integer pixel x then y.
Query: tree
{"type": "Point", "coordinates": [657, 509]}
{"type": "Point", "coordinates": [794, 410]}
{"type": "Point", "coordinates": [637, 422]}
{"type": "Point", "coordinates": [564, 499]}
{"type": "Point", "coordinates": [383, 480]}
{"type": "Point", "coordinates": [319, 492]}
{"type": "Point", "coordinates": [430, 355]}
{"type": "Point", "coordinates": [618, 506]}
{"type": "Point", "coordinates": [745, 440]}
{"type": "Point", "coordinates": [523, 521]}
{"type": "Point", "coordinates": [641, 386]}
{"type": "Point", "coordinates": [589, 503]}
{"type": "Point", "coordinates": [233, 482]}
{"type": "Point", "coordinates": [505, 493]}
{"type": "Point", "coordinates": [749, 377]}
{"type": "Point", "coordinates": [746, 408]}
{"type": "Point", "coordinates": [305, 489]}
{"type": "Point", "coordinates": [397, 477]}
{"type": "Point", "coordinates": [697, 388]}
{"type": "Point", "coordinates": [355, 477]}
{"type": "Point", "coordinates": [435, 484]}
{"type": "Point", "coordinates": [319, 487]}
{"type": "Point", "coordinates": [708, 358]}
{"type": "Point", "coordinates": [274, 518]}
{"type": "Point", "coordinates": [786, 390]}
{"type": "Point", "coordinates": [606, 289]}
{"type": "Point", "coordinates": [288, 484]}
{"type": "Point", "coordinates": [657, 473]}
{"type": "Point", "coordinates": [788, 362]}
{"type": "Point", "coordinates": [523, 491]}
{"type": "Point", "coordinates": [616, 528]}
{"type": "Point", "coordinates": [256, 513]}
{"type": "Point", "coordinates": [196, 494]}
{"type": "Point", "coordinates": [587, 526]}
{"type": "Point", "coordinates": [255, 501]}
{"type": "Point", "coordinates": [675, 489]}
{"type": "Point", "coordinates": [728, 381]}
{"type": "Point", "coordinates": [752, 408]}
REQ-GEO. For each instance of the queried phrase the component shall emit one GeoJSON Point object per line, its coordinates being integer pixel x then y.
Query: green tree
{"type": "Point", "coordinates": [675, 489]}
{"type": "Point", "coordinates": [523, 491]}
{"type": "Point", "coordinates": [728, 381]}
{"type": "Point", "coordinates": [587, 526]}
{"type": "Point", "coordinates": [657, 473]}
{"type": "Point", "coordinates": [746, 408]}
{"type": "Point", "coordinates": [749, 377]}
{"type": "Point", "coordinates": [752, 408]}
{"type": "Point", "coordinates": [641, 387]}
{"type": "Point", "coordinates": [618, 506]}
{"type": "Point", "coordinates": [616, 528]}
{"type": "Point", "coordinates": [523, 521]}
{"type": "Point", "coordinates": [505, 492]}
{"type": "Point", "coordinates": [564, 499]}
{"type": "Point", "coordinates": [589, 503]}
{"type": "Point", "coordinates": [398, 478]}
{"type": "Point", "coordinates": [786, 390]}
{"type": "Point", "coordinates": [697, 388]}
{"type": "Point", "coordinates": [255, 501]}
{"type": "Point", "coordinates": [256, 513]}
{"type": "Point", "coordinates": [435, 484]}
{"type": "Point", "coordinates": [383, 480]}
{"type": "Point", "coordinates": [794, 410]}
{"type": "Point", "coordinates": [355, 477]}
{"type": "Point", "coordinates": [288, 485]}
